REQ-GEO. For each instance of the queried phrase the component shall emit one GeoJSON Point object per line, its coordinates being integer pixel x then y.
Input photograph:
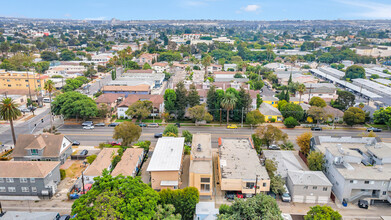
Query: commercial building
{"type": "Point", "coordinates": [154, 80]}
{"type": "Point", "coordinates": [375, 87]}
{"type": "Point", "coordinates": [240, 168]}
{"type": "Point", "coordinates": [358, 167]}
{"type": "Point", "coordinates": [29, 178]}
{"type": "Point", "coordinates": [165, 166]}
{"type": "Point", "coordinates": [201, 165]}
{"type": "Point", "coordinates": [42, 147]}
{"type": "Point", "coordinates": [308, 186]}
{"type": "Point", "coordinates": [130, 162]}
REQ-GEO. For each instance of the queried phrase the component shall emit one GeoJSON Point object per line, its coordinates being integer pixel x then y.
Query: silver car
{"type": "Point", "coordinates": [88, 127]}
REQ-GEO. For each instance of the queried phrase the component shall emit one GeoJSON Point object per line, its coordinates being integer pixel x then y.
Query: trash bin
{"type": "Point", "coordinates": [344, 203]}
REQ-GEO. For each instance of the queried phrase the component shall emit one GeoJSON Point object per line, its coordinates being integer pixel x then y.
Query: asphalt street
{"type": "Point", "coordinates": [104, 134]}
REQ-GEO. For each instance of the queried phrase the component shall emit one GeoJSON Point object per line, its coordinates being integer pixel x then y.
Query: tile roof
{"type": "Point", "coordinates": [50, 143]}
{"type": "Point", "coordinates": [156, 100]}
{"type": "Point", "coordinates": [102, 161]}
{"type": "Point", "coordinates": [108, 97]}
{"type": "Point", "coordinates": [128, 162]}
{"type": "Point", "coordinates": [26, 169]}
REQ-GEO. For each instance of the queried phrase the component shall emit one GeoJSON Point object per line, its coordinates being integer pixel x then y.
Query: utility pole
{"type": "Point", "coordinates": [220, 116]}
{"type": "Point", "coordinates": [256, 184]}
{"type": "Point", "coordinates": [242, 115]}
{"type": "Point", "coordinates": [309, 95]}
{"type": "Point", "coordinates": [82, 181]}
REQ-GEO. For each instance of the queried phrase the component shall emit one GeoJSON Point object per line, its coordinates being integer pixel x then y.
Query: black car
{"type": "Point", "coordinates": [75, 143]}
{"type": "Point", "coordinates": [316, 129]}
{"type": "Point", "coordinates": [158, 135]}
{"type": "Point", "coordinates": [363, 204]}
{"type": "Point", "coordinates": [178, 125]}
{"type": "Point", "coordinates": [374, 129]}
{"type": "Point", "coordinates": [230, 195]}
{"type": "Point", "coordinates": [84, 152]}
{"type": "Point", "coordinates": [142, 125]}
{"type": "Point", "coordinates": [65, 217]}
{"type": "Point", "coordinates": [114, 124]}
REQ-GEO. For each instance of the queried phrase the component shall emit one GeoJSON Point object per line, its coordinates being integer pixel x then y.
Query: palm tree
{"type": "Point", "coordinates": [206, 61]}
{"type": "Point", "coordinates": [49, 87]}
{"type": "Point", "coordinates": [301, 89]}
{"type": "Point", "coordinates": [9, 111]}
{"type": "Point", "coordinates": [229, 102]}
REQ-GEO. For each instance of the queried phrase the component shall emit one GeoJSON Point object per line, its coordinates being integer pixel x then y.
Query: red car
{"type": "Point", "coordinates": [239, 195]}
{"type": "Point", "coordinates": [115, 143]}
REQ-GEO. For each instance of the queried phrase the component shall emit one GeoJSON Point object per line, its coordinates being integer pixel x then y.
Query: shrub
{"type": "Point", "coordinates": [62, 174]}
{"type": "Point", "coordinates": [272, 120]}
{"type": "Point", "coordinates": [91, 158]}
{"type": "Point", "coordinates": [290, 122]}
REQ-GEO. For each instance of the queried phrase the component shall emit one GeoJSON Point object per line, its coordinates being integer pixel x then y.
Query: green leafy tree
{"type": "Point", "coordinates": [146, 66]}
{"type": "Point", "coordinates": [255, 117]}
{"type": "Point", "coordinates": [270, 134]}
{"type": "Point", "coordinates": [322, 212]}
{"type": "Point", "coordinates": [169, 100]}
{"type": "Point", "coordinates": [291, 122]}
{"type": "Point", "coordinates": [117, 198]}
{"type": "Point", "coordinates": [184, 200]}
{"type": "Point", "coordinates": [171, 129]}
{"type": "Point", "coordinates": [9, 112]}
{"type": "Point", "coordinates": [140, 109]}
{"type": "Point", "coordinates": [292, 110]}
{"type": "Point", "coordinates": [316, 161]}
{"type": "Point", "coordinates": [103, 110]}
{"type": "Point", "coordinates": [48, 56]}
{"type": "Point", "coordinates": [166, 212]}
{"type": "Point", "coordinates": [259, 101]}
{"type": "Point", "coordinates": [271, 167]}
{"type": "Point", "coordinates": [67, 55]}
{"type": "Point", "coordinates": [258, 207]}
{"type": "Point", "coordinates": [206, 61]}
{"type": "Point", "coordinates": [354, 116]}
{"type": "Point", "coordinates": [128, 132]}
{"type": "Point", "coordinates": [317, 113]}
{"type": "Point", "coordinates": [199, 113]}
{"type": "Point", "coordinates": [181, 100]}
{"type": "Point", "coordinates": [228, 102]}
{"type": "Point", "coordinates": [344, 101]}
{"type": "Point", "coordinates": [193, 98]}
{"type": "Point", "coordinates": [74, 105]}
{"type": "Point", "coordinates": [354, 72]}
{"type": "Point", "coordinates": [281, 104]}
{"type": "Point", "coordinates": [304, 141]}
{"type": "Point", "coordinates": [187, 135]}
{"type": "Point", "coordinates": [317, 101]}
{"type": "Point", "coordinates": [382, 116]}
{"type": "Point", "coordinates": [277, 184]}
{"type": "Point", "coordinates": [301, 89]}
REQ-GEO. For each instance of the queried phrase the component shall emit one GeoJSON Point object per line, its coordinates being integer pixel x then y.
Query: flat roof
{"type": "Point", "coordinates": [201, 154]}
{"type": "Point", "coordinates": [315, 178]}
{"type": "Point", "coordinates": [239, 160]}
{"type": "Point", "coordinates": [167, 155]}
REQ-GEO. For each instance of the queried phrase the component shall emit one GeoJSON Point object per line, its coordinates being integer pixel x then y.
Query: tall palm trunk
{"type": "Point", "coordinates": [13, 131]}
{"type": "Point", "coordinates": [50, 106]}
{"type": "Point", "coordinates": [227, 116]}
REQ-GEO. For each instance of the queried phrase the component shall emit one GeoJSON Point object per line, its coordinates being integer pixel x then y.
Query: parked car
{"type": "Point", "coordinates": [363, 204]}
{"type": "Point", "coordinates": [286, 197]}
{"type": "Point", "coordinates": [115, 143]}
{"type": "Point", "coordinates": [100, 124]}
{"type": "Point", "coordinates": [32, 108]}
{"type": "Point", "coordinates": [114, 124]}
{"type": "Point", "coordinates": [374, 129]}
{"type": "Point", "coordinates": [74, 196]}
{"type": "Point", "coordinates": [272, 194]}
{"type": "Point", "coordinates": [25, 110]}
{"type": "Point", "coordinates": [46, 100]}
{"type": "Point", "coordinates": [230, 195]}
{"type": "Point", "coordinates": [178, 125]}
{"type": "Point", "coordinates": [232, 126]}
{"type": "Point", "coordinates": [88, 127]}
{"type": "Point", "coordinates": [65, 217]}
{"type": "Point", "coordinates": [87, 123]}
{"type": "Point", "coordinates": [273, 147]}
{"type": "Point", "coordinates": [75, 143]}
{"type": "Point", "coordinates": [84, 152]}
{"type": "Point", "coordinates": [316, 129]}
{"type": "Point", "coordinates": [158, 135]}
{"type": "Point", "coordinates": [239, 195]}
{"type": "Point", "coordinates": [153, 125]}
{"type": "Point", "coordinates": [142, 125]}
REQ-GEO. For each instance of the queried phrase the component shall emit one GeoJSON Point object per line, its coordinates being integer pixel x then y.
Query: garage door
{"type": "Point", "coordinates": [310, 199]}
{"type": "Point", "coordinates": [298, 198]}
{"type": "Point", "coordinates": [323, 199]}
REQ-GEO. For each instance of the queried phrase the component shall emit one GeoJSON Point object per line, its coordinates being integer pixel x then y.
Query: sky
{"type": "Point", "coordinates": [199, 9]}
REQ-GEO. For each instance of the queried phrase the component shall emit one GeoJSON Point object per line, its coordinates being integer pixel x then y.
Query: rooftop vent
{"type": "Point", "coordinates": [199, 147]}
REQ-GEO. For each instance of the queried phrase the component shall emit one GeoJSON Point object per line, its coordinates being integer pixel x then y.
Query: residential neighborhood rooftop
{"type": "Point", "coordinates": [26, 169]}
{"type": "Point", "coordinates": [102, 161]}
{"type": "Point", "coordinates": [167, 155]}
{"type": "Point", "coordinates": [314, 178]}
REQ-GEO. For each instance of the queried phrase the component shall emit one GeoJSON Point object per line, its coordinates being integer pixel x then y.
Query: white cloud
{"type": "Point", "coordinates": [251, 8]}
{"type": "Point", "coordinates": [371, 9]}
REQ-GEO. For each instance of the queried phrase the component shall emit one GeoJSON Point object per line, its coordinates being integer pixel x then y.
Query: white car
{"type": "Point", "coordinates": [88, 127]}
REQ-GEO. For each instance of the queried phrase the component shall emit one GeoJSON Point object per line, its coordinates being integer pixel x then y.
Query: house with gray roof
{"type": "Point", "coordinates": [308, 186]}
{"type": "Point", "coordinates": [270, 112]}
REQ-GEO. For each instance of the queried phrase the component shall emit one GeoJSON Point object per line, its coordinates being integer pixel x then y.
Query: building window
{"type": "Point", "coordinates": [1, 180]}
{"type": "Point", "coordinates": [23, 180]}
{"type": "Point", "coordinates": [2, 189]}
{"type": "Point", "coordinates": [33, 189]}
{"type": "Point", "coordinates": [34, 151]}
{"type": "Point", "coordinates": [324, 188]}
{"type": "Point", "coordinates": [305, 187]}
{"type": "Point", "coordinates": [250, 185]}
{"type": "Point", "coordinates": [11, 189]}
{"type": "Point", "coordinates": [263, 185]}
{"type": "Point", "coordinates": [25, 189]}
{"type": "Point", "coordinates": [205, 180]}
{"type": "Point", "coordinates": [366, 182]}
{"type": "Point", "coordinates": [205, 187]}
{"type": "Point", "coordinates": [32, 180]}
{"type": "Point", "coordinates": [26, 80]}
{"type": "Point", "coordinates": [9, 180]}
{"type": "Point", "coordinates": [9, 85]}
{"type": "Point", "coordinates": [314, 187]}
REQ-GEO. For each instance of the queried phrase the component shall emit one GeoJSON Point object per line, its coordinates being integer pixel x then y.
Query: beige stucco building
{"type": "Point", "coordinates": [22, 80]}
{"type": "Point", "coordinates": [240, 168]}
{"type": "Point", "coordinates": [201, 166]}
{"type": "Point", "coordinates": [165, 166]}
